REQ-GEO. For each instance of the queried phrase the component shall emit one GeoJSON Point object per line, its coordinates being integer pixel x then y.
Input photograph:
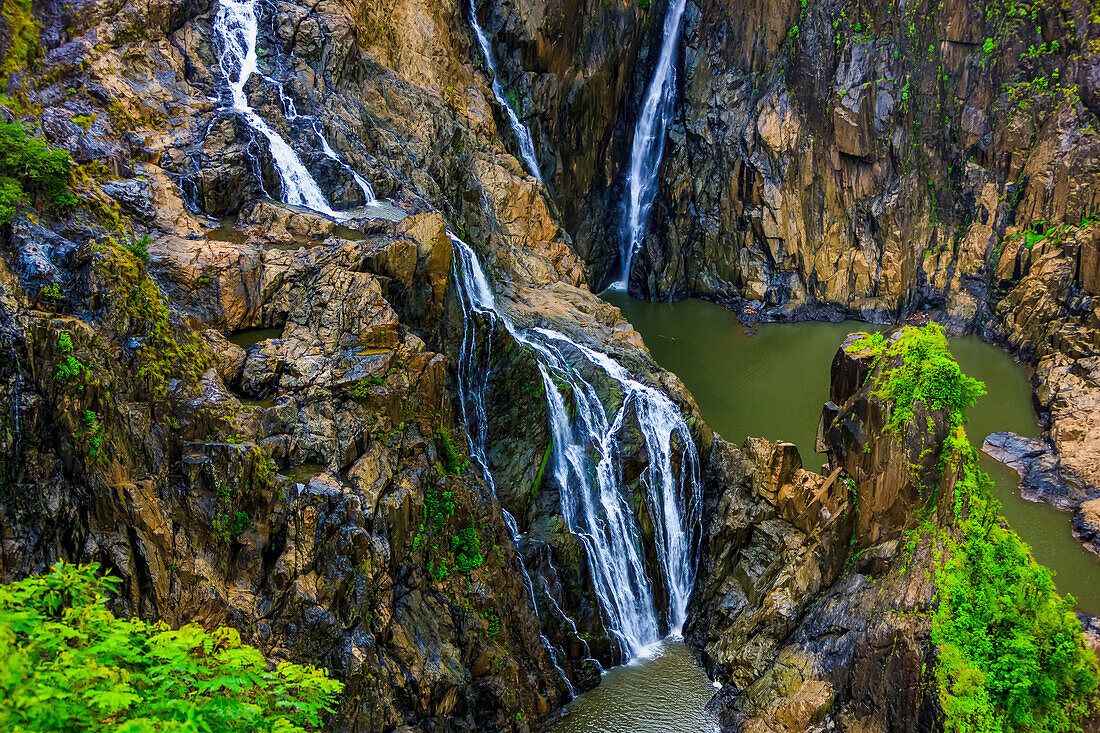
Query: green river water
{"type": "Point", "coordinates": [773, 384]}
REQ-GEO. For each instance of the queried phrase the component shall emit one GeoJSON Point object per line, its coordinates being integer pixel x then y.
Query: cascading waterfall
{"type": "Point", "coordinates": [364, 186]}
{"type": "Point", "coordinates": [649, 143]}
{"type": "Point", "coordinates": [237, 28]}
{"type": "Point", "coordinates": [523, 135]}
{"type": "Point", "coordinates": [595, 504]}
{"type": "Point", "coordinates": [475, 296]}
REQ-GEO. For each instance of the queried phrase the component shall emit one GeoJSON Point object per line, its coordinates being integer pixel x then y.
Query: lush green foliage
{"type": "Point", "coordinates": [453, 460]}
{"type": "Point", "coordinates": [467, 549]}
{"type": "Point", "coordinates": [1012, 657]}
{"type": "Point", "coordinates": [69, 367]}
{"type": "Point", "coordinates": [28, 167]}
{"type": "Point", "coordinates": [140, 247]}
{"type": "Point", "coordinates": [873, 341]}
{"type": "Point", "coordinates": [438, 507]}
{"type": "Point", "coordinates": [70, 665]}
{"type": "Point", "coordinates": [920, 368]}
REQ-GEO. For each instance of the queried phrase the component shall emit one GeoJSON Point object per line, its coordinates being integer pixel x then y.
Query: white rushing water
{"type": "Point", "coordinates": [596, 504]}
{"type": "Point", "coordinates": [237, 28]}
{"type": "Point", "coordinates": [649, 143]}
{"type": "Point", "coordinates": [523, 135]}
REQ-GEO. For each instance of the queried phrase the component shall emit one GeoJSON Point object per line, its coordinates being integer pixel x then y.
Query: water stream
{"type": "Point", "coordinates": [596, 504]}
{"type": "Point", "coordinates": [237, 29]}
{"type": "Point", "coordinates": [523, 135]}
{"type": "Point", "coordinates": [648, 145]}
{"type": "Point", "coordinates": [773, 384]}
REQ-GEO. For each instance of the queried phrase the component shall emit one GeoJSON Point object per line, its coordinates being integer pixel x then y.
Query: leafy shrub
{"type": "Point", "coordinates": [1011, 653]}
{"type": "Point", "coordinates": [226, 528]}
{"type": "Point", "coordinates": [68, 664]}
{"type": "Point", "coordinates": [873, 341]}
{"type": "Point", "coordinates": [467, 549]}
{"type": "Point", "coordinates": [28, 167]}
{"type": "Point", "coordinates": [140, 247]}
{"type": "Point", "coordinates": [1012, 656]}
{"type": "Point", "coordinates": [438, 507]}
{"type": "Point", "coordinates": [91, 430]}
{"type": "Point", "coordinates": [924, 371]}
{"type": "Point", "coordinates": [453, 460]}
{"type": "Point", "coordinates": [68, 368]}
{"type": "Point", "coordinates": [52, 293]}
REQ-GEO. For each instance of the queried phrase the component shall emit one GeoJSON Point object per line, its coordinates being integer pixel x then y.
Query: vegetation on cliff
{"type": "Point", "coordinates": [71, 665]}
{"type": "Point", "coordinates": [1011, 652]}
{"type": "Point", "coordinates": [31, 169]}
{"type": "Point", "coordinates": [919, 367]}
{"type": "Point", "coordinates": [1012, 656]}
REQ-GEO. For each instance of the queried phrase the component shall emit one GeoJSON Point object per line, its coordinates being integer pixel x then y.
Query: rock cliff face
{"type": "Point", "coordinates": [816, 592]}
{"type": "Point", "coordinates": [247, 411]}
{"type": "Point", "coordinates": [846, 160]}
{"type": "Point", "coordinates": [868, 158]}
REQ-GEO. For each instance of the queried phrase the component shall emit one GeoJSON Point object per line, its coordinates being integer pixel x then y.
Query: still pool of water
{"type": "Point", "coordinates": [664, 692]}
{"type": "Point", "coordinates": [773, 384]}
{"type": "Point", "coordinates": [252, 336]}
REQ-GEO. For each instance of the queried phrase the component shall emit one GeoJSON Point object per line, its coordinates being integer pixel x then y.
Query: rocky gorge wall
{"type": "Point", "coordinates": [311, 489]}
{"type": "Point", "coordinates": [856, 159]}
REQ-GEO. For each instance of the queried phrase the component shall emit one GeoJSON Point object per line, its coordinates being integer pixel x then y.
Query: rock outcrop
{"type": "Point", "coordinates": [818, 593]}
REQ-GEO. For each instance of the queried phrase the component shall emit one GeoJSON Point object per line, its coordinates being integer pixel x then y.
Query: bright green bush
{"type": "Point", "coordinates": [1012, 655]}
{"type": "Point", "coordinates": [140, 247]}
{"type": "Point", "coordinates": [29, 167]}
{"type": "Point", "coordinates": [923, 370]}
{"type": "Point", "coordinates": [68, 664]}
{"type": "Point", "coordinates": [68, 368]}
{"type": "Point", "coordinates": [1011, 652]}
{"type": "Point", "coordinates": [467, 549]}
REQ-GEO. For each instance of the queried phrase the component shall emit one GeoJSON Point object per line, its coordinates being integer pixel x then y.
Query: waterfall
{"type": "Point", "coordinates": [368, 192]}
{"type": "Point", "coordinates": [595, 502]}
{"type": "Point", "coordinates": [237, 29]}
{"type": "Point", "coordinates": [649, 143]}
{"type": "Point", "coordinates": [523, 135]}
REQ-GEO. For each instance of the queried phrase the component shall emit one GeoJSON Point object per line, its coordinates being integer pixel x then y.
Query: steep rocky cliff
{"type": "Point", "coordinates": [871, 157]}
{"type": "Point", "coordinates": [856, 159]}
{"type": "Point", "coordinates": [253, 413]}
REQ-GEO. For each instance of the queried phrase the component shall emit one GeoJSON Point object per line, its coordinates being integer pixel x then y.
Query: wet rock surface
{"type": "Point", "coordinates": [263, 431]}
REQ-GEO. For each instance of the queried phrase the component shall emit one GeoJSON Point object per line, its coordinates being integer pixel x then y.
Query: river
{"type": "Point", "coordinates": [772, 385]}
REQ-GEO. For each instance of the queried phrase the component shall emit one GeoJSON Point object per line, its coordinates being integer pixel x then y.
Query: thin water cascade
{"type": "Point", "coordinates": [523, 135]}
{"type": "Point", "coordinates": [648, 145]}
{"type": "Point", "coordinates": [237, 28]}
{"type": "Point", "coordinates": [595, 501]}
{"type": "Point", "coordinates": [364, 186]}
